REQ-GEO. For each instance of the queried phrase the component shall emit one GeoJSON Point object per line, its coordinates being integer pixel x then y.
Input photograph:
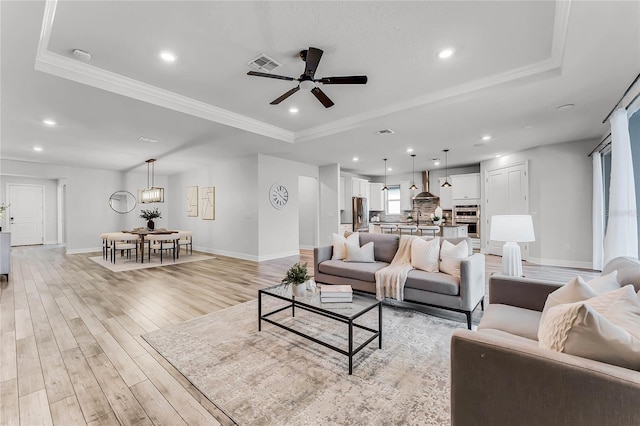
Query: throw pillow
{"type": "Point", "coordinates": [605, 283]}
{"type": "Point", "coordinates": [338, 244]}
{"type": "Point", "coordinates": [362, 254]}
{"type": "Point", "coordinates": [575, 290]}
{"type": "Point", "coordinates": [425, 254]}
{"type": "Point", "coordinates": [451, 255]}
{"type": "Point", "coordinates": [605, 328]}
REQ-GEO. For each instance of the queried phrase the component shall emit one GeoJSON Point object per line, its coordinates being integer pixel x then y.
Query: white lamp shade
{"type": "Point", "coordinates": [516, 228]}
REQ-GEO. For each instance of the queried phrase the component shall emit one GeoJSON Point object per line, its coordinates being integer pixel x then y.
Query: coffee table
{"type": "Point", "coordinates": [343, 312]}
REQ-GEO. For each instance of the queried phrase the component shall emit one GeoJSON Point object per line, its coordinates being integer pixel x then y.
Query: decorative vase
{"type": "Point", "coordinates": [150, 225]}
{"type": "Point", "coordinates": [299, 290]}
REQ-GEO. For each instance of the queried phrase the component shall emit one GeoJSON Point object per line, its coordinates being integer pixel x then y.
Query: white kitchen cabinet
{"type": "Point", "coordinates": [5, 253]}
{"type": "Point", "coordinates": [446, 196]}
{"type": "Point", "coordinates": [406, 196]}
{"type": "Point", "coordinates": [341, 194]}
{"type": "Point", "coordinates": [376, 197]}
{"type": "Point", "coordinates": [455, 231]}
{"type": "Point", "coordinates": [466, 187]}
{"type": "Point", "coordinates": [359, 187]}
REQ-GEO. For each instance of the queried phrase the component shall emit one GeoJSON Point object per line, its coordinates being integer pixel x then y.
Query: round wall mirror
{"type": "Point", "coordinates": [122, 201]}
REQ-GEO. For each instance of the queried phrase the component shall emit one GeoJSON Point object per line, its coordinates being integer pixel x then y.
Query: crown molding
{"type": "Point", "coordinates": [61, 66]}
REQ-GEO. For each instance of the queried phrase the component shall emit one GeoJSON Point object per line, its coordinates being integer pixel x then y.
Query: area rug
{"type": "Point", "coordinates": [275, 377]}
{"type": "Point", "coordinates": [122, 264]}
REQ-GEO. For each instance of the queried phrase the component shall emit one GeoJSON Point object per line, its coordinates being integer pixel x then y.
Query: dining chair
{"type": "Point", "coordinates": [122, 241]}
{"type": "Point", "coordinates": [186, 239]}
{"type": "Point", "coordinates": [105, 244]}
{"type": "Point", "coordinates": [162, 242]}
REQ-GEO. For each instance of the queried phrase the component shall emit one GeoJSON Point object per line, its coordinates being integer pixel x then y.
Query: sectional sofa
{"type": "Point", "coordinates": [437, 289]}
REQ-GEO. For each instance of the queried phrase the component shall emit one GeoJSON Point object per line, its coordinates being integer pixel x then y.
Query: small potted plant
{"type": "Point", "coordinates": [149, 215]}
{"type": "Point", "coordinates": [298, 276]}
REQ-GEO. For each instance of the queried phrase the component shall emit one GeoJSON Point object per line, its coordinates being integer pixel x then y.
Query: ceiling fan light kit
{"type": "Point", "coordinates": [312, 58]}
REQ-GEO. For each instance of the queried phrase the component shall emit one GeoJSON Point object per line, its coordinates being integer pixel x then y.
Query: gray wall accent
{"type": "Point", "coordinates": [560, 191]}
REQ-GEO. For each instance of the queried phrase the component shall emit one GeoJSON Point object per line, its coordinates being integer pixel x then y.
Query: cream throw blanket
{"type": "Point", "coordinates": [391, 279]}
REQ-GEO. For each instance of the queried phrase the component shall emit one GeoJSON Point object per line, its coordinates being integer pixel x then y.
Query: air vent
{"type": "Point", "coordinates": [385, 132]}
{"type": "Point", "coordinates": [264, 63]}
{"type": "Point", "coordinates": [146, 139]}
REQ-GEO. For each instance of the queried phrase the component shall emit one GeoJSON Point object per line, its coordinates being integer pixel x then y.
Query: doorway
{"type": "Point", "coordinates": [26, 214]}
{"type": "Point", "coordinates": [308, 211]}
{"type": "Point", "coordinates": [507, 192]}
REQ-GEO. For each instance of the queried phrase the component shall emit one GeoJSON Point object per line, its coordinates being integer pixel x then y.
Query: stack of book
{"type": "Point", "coordinates": [336, 294]}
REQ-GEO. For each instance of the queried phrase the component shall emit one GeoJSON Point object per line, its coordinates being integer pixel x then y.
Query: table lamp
{"type": "Point", "coordinates": [512, 229]}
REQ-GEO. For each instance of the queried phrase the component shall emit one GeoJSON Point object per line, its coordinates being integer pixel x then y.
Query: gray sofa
{"type": "Point", "coordinates": [499, 375]}
{"type": "Point", "coordinates": [437, 289]}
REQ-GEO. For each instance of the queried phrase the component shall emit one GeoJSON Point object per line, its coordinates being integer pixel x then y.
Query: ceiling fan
{"type": "Point", "coordinates": [312, 58]}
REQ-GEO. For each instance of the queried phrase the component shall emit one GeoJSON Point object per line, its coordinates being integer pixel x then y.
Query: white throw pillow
{"type": "Point", "coordinates": [450, 257]}
{"type": "Point", "coordinates": [425, 254]}
{"type": "Point", "coordinates": [604, 328]}
{"type": "Point", "coordinates": [575, 290]}
{"type": "Point", "coordinates": [338, 244]}
{"type": "Point", "coordinates": [605, 283]}
{"type": "Point", "coordinates": [362, 254]}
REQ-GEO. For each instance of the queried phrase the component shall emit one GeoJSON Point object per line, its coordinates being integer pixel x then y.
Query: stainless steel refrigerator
{"type": "Point", "coordinates": [360, 214]}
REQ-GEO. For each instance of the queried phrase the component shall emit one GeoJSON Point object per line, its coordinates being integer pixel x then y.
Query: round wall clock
{"type": "Point", "coordinates": [278, 196]}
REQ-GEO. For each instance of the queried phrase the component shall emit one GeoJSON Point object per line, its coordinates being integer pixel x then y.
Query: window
{"type": "Point", "coordinates": [393, 200]}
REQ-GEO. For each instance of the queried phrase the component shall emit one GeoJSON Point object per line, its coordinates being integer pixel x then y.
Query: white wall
{"type": "Point", "coordinates": [329, 220]}
{"type": "Point", "coordinates": [50, 204]}
{"type": "Point", "coordinates": [560, 197]}
{"type": "Point", "coordinates": [87, 199]}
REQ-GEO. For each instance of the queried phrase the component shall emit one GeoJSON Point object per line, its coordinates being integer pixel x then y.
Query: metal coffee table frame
{"type": "Point", "coordinates": [325, 312]}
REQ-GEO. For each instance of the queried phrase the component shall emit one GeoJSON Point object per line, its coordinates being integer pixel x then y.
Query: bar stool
{"type": "Point", "coordinates": [186, 239]}
{"type": "Point", "coordinates": [122, 241]}
{"type": "Point", "coordinates": [388, 229]}
{"type": "Point", "coordinates": [162, 242]}
{"type": "Point", "coordinates": [429, 229]}
{"type": "Point", "coordinates": [407, 229]}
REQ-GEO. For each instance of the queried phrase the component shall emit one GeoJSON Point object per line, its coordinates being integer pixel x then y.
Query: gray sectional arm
{"type": "Point", "coordinates": [320, 254]}
{"type": "Point", "coordinates": [472, 281]}
{"type": "Point", "coordinates": [496, 381]}
{"type": "Point", "coordinates": [527, 293]}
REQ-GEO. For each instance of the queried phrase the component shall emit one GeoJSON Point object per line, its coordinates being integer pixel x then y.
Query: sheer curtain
{"type": "Point", "coordinates": [598, 212]}
{"type": "Point", "coordinates": [621, 238]}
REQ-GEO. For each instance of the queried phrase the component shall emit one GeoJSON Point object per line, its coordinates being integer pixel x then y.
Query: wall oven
{"type": "Point", "coordinates": [468, 215]}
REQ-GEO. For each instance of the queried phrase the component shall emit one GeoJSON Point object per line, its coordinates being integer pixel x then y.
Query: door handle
{"type": "Point", "coordinates": [11, 219]}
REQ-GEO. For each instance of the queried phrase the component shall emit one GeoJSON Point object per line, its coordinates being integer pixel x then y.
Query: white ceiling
{"type": "Point", "coordinates": [515, 62]}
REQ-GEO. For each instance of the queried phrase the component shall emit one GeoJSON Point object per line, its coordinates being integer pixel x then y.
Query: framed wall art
{"type": "Point", "coordinates": [209, 203]}
{"type": "Point", "coordinates": [192, 201]}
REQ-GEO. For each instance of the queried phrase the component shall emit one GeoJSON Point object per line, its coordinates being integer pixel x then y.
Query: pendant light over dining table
{"type": "Point", "coordinates": [446, 183]}
{"type": "Point", "coordinates": [152, 194]}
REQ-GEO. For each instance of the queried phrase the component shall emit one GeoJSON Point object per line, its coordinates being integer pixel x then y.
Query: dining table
{"type": "Point", "coordinates": [142, 232]}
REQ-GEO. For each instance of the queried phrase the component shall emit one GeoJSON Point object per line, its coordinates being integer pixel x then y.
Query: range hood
{"type": "Point", "coordinates": [425, 195]}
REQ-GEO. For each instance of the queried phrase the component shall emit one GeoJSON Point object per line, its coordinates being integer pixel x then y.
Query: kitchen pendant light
{"type": "Point", "coordinates": [446, 183]}
{"type": "Point", "coordinates": [413, 172]}
{"type": "Point", "coordinates": [152, 194]}
{"type": "Point", "coordinates": [384, 188]}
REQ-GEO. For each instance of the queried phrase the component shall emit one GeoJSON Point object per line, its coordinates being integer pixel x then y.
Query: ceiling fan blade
{"type": "Point", "coordinates": [313, 59]}
{"type": "Point", "coordinates": [285, 96]}
{"type": "Point", "coordinates": [324, 99]}
{"type": "Point", "coordinates": [264, 74]}
{"type": "Point", "coordinates": [354, 79]}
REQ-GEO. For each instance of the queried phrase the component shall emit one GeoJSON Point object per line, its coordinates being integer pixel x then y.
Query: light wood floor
{"type": "Point", "coordinates": [71, 351]}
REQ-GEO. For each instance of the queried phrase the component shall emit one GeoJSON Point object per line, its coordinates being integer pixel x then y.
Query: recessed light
{"type": "Point", "coordinates": [167, 56]}
{"type": "Point", "coordinates": [355, 158]}
{"type": "Point", "coordinates": [565, 107]}
{"type": "Point", "coordinates": [389, 169]}
{"type": "Point", "coordinates": [528, 127]}
{"type": "Point", "coordinates": [498, 155]}
{"type": "Point", "coordinates": [293, 110]}
{"type": "Point", "coordinates": [486, 137]}
{"type": "Point", "coordinates": [37, 148]}
{"type": "Point", "coordinates": [409, 149]}
{"type": "Point", "coordinates": [436, 163]}
{"type": "Point", "coordinates": [446, 53]}
{"type": "Point", "coordinates": [49, 122]}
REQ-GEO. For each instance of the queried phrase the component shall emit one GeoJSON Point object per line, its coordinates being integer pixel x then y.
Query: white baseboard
{"type": "Point", "coordinates": [279, 255]}
{"type": "Point", "coordinates": [305, 247]}
{"type": "Point", "coordinates": [246, 256]}
{"type": "Point", "coordinates": [51, 243]}
{"type": "Point", "coordinates": [565, 263]}
{"type": "Point", "coordinates": [84, 250]}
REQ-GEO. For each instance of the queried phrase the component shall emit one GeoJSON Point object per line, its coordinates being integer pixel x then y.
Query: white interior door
{"type": "Point", "coordinates": [507, 191]}
{"type": "Point", "coordinates": [26, 214]}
